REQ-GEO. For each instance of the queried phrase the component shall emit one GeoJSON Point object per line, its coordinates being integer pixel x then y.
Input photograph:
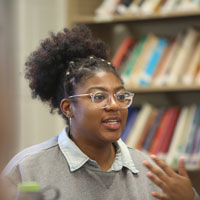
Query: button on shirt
{"type": "Point", "coordinates": [76, 158]}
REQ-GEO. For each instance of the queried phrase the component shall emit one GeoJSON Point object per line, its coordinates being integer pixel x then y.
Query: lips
{"type": "Point", "coordinates": [113, 123]}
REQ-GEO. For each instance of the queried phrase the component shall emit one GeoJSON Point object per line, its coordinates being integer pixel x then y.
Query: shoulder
{"type": "Point", "coordinates": [34, 151]}
{"type": "Point", "coordinates": [138, 155]}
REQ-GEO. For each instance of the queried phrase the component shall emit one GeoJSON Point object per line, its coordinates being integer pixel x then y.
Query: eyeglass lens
{"type": "Point", "coordinates": [102, 99]}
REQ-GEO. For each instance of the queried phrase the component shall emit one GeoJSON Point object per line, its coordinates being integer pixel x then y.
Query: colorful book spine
{"type": "Point", "coordinates": [180, 149]}
{"type": "Point", "coordinates": [139, 125]}
{"type": "Point", "coordinates": [189, 76]}
{"type": "Point", "coordinates": [183, 55]}
{"type": "Point", "coordinates": [193, 131]}
{"type": "Point", "coordinates": [134, 56]}
{"type": "Point", "coordinates": [122, 51]}
{"type": "Point", "coordinates": [143, 59]}
{"type": "Point", "coordinates": [132, 115]}
{"type": "Point", "coordinates": [170, 130]}
{"type": "Point", "coordinates": [146, 129]}
{"type": "Point", "coordinates": [153, 62]}
{"type": "Point", "coordinates": [153, 130]}
{"type": "Point", "coordinates": [178, 132]}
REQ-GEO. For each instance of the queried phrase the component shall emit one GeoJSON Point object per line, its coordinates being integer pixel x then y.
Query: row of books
{"type": "Point", "coordinates": [167, 132]}
{"type": "Point", "coordinates": [158, 61]}
{"type": "Point", "coordinates": [145, 7]}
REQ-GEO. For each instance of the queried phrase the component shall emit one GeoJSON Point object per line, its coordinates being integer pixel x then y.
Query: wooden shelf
{"type": "Point", "coordinates": [175, 88]}
{"type": "Point", "coordinates": [91, 19]}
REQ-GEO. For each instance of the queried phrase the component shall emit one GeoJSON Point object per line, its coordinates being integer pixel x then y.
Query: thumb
{"type": "Point", "coordinates": [181, 167]}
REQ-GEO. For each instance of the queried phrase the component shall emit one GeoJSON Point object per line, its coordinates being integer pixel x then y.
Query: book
{"type": "Point", "coordinates": [193, 131]}
{"type": "Point", "coordinates": [161, 132]}
{"type": "Point", "coordinates": [122, 51]}
{"type": "Point", "coordinates": [169, 6]}
{"type": "Point", "coordinates": [153, 62]}
{"type": "Point", "coordinates": [132, 115]}
{"type": "Point", "coordinates": [170, 130]}
{"type": "Point", "coordinates": [184, 137]}
{"type": "Point", "coordinates": [195, 156]}
{"type": "Point", "coordinates": [161, 79]}
{"type": "Point", "coordinates": [183, 55]}
{"type": "Point", "coordinates": [179, 129]}
{"type": "Point", "coordinates": [133, 58]}
{"type": "Point", "coordinates": [150, 6]}
{"type": "Point", "coordinates": [106, 9]}
{"type": "Point", "coordinates": [146, 129]}
{"type": "Point", "coordinates": [160, 68]}
{"type": "Point", "coordinates": [138, 127]}
{"type": "Point", "coordinates": [143, 59]}
{"type": "Point", "coordinates": [191, 71]}
{"type": "Point", "coordinates": [136, 6]}
{"type": "Point", "coordinates": [153, 130]}
{"type": "Point", "coordinates": [123, 6]}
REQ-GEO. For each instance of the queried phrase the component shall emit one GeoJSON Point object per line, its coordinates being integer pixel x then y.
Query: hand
{"type": "Point", "coordinates": [175, 186]}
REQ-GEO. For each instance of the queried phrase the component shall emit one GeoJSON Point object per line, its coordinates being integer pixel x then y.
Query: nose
{"type": "Point", "coordinates": [112, 104]}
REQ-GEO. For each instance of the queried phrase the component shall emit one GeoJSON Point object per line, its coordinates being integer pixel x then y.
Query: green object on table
{"type": "Point", "coordinates": [28, 187]}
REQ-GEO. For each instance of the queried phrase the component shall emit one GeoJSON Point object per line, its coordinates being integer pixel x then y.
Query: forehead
{"type": "Point", "coordinates": [101, 79]}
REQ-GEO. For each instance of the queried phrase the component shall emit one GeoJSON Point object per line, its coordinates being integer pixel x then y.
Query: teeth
{"type": "Point", "coordinates": [112, 121]}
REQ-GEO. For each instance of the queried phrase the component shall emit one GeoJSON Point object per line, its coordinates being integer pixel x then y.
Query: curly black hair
{"type": "Point", "coordinates": [62, 62]}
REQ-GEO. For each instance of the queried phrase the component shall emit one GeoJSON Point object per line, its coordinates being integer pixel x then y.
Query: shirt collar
{"type": "Point", "coordinates": [76, 158]}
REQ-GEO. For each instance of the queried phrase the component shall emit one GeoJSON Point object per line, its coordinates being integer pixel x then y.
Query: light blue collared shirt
{"type": "Point", "coordinates": [76, 158]}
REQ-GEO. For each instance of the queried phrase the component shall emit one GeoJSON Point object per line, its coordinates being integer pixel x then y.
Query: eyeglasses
{"type": "Point", "coordinates": [103, 99]}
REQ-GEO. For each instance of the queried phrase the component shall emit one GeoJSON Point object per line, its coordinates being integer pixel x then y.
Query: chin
{"type": "Point", "coordinates": [113, 136]}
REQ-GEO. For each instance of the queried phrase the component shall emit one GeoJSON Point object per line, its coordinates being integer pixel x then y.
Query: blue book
{"type": "Point", "coordinates": [153, 62]}
{"type": "Point", "coordinates": [193, 131]}
{"type": "Point", "coordinates": [132, 115]}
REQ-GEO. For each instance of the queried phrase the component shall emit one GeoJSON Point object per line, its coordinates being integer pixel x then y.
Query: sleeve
{"type": "Point", "coordinates": [10, 181]}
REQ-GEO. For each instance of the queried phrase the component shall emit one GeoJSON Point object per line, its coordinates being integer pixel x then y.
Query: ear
{"type": "Point", "coordinates": [66, 107]}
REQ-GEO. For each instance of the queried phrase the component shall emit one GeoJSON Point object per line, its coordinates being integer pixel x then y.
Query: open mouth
{"type": "Point", "coordinates": [112, 124]}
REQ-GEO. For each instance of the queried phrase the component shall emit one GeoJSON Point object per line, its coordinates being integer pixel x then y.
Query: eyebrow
{"type": "Point", "coordinates": [104, 89]}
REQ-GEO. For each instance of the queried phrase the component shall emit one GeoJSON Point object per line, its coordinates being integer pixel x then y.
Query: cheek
{"type": "Point", "coordinates": [86, 114]}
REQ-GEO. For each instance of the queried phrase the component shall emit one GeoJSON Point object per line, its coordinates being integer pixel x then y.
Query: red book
{"type": "Point", "coordinates": [170, 130]}
{"type": "Point", "coordinates": [122, 51]}
{"type": "Point", "coordinates": [165, 130]}
{"type": "Point", "coordinates": [161, 131]}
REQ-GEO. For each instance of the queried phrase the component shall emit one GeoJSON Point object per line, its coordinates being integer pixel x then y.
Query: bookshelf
{"type": "Point", "coordinates": [118, 27]}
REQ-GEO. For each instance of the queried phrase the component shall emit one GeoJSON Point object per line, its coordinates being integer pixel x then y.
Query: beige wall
{"type": "Point", "coordinates": [24, 24]}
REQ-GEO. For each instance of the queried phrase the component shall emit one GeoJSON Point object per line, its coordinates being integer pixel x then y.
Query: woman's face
{"type": "Point", "coordinates": [91, 124]}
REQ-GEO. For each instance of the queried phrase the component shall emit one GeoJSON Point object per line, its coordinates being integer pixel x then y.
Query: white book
{"type": "Point", "coordinates": [189, 76]}
{"type": "Point", "coordinates": [106, 8]}
{"type": "Point", "coordinates": [178, 132]}
{"type": "Point", "coordinates": [184, 136]}
{"type": "Point", "coordinates": [138, 127]}
{"type": "Point", "coordinates": [169, 6]}
{"type": "Point", "coordinates": [182, 57]}
{"type": "Point", "coordinates": [148, 7]}
{"type": "Point", "coordinates": [161, 79]}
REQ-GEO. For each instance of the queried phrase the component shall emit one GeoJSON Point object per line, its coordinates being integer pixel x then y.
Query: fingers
{"type": "Point", "coordinates": [161, 184]}
{"type": "Point", "coordinates": [168, 170]}
{"type": "Point", "coordinates": [181, 167]}
{"type": "Point", "coordinates": [160, 196]}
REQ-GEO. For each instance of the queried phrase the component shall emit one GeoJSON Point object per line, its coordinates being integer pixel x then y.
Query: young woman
{"type": "Point", "coordinates": [87, 160]}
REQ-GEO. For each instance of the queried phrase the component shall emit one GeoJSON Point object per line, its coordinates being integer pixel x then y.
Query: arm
{"type": "Point", "coordinates": [175, 186]}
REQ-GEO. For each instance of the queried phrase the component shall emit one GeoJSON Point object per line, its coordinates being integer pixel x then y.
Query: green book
{"type": "Point", "coordinates": [133, 57]}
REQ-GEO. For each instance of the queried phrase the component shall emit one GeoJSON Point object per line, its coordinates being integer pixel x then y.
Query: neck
{"type": "Point", "coordinates": [104, 155]}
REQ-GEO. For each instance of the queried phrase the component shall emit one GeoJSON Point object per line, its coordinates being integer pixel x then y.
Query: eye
{"type": "Point", "coordinates": [99, 97]}
{"type": "Point", "coordinates": [121, 96]}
